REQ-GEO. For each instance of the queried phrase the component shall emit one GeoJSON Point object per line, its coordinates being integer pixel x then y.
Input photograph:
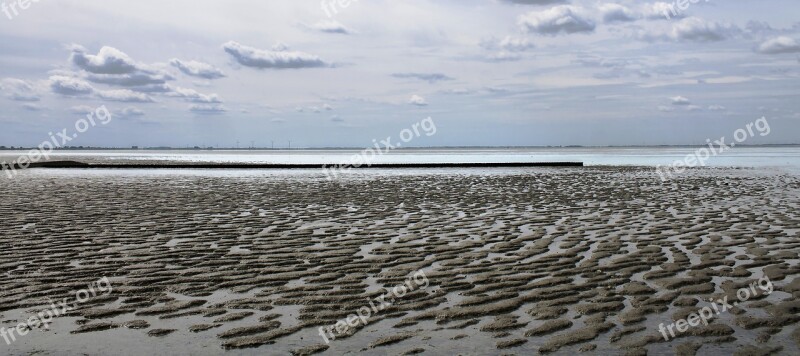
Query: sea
{"type": "Point", "coordinates": [783, 158]}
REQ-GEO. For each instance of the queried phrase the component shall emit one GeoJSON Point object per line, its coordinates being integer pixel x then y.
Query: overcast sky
{"type": "Point", "coordinates": [488, 72]}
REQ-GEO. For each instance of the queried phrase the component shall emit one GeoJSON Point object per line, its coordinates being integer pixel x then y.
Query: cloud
{"type": "Point", "coordinates": [417, 100]}
{"type": "Point", "coordinates": [716, 108]}
{"type": "Point", "coordinates": [153, 88]}
{"type": "Point", "coordinates": [115, 68]}
{"type": "Point", "coordinates": [331, 26]}
{"type": "Point", "coordinates": [131, 112]}
{"type": "Point", "coordinates": [699, 30]}
{"type": "Point", "coordinates": [779, 45]}
{"type": "Point", "coordinates": [194, 96]}
{"type": "Point", "coordinates": [81, 109]}
{"type": "Point", "coordinates": [693, 29]}
{"type": "Point", "coordinates": [617, 13]}
{"type": "Point", "coordinates": [207, 109]}
{"type": "Point", "coordinates": [327, 107]}
{"type": "Point", "coordinates": [336, 118]}
{"type": "Point", "coordinates": [131, 80]}
{"type": "Point", "coordinates": [562, 19]}
{"type": "Point", "coordinates": [504, 56]}
{"type": "Point", "coordinates": [69, 86]}
{"type": "Point", "coordinates": [665, 108]}
{"type": "Point", "coordinates": [511, 44]}
{"type": "Point", "coordinates": [32, 107]}
{"type": "Point", "coordinates": [535, 2]}
{"type": "Point", "coordinates": [108, 61]}
{"type": "Point", "coordinates": [124, 95]}
{"type": "Point", "coordinates": [428, 77]}
{"type": "Point", "coordinates": [680, 100]}
{"type": "Point", "coordinates": [197, 69]}
{"type": "Point", "coordinates": [19, 90]}
{"type": "Point", "coordinates": [278, 58]}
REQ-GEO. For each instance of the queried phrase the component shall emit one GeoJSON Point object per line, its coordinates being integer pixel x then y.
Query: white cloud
{"type": "Point", "coordinates": [131, 112]}
{"type": "Point", "coordinates": [81, 109]}
{"type": "Point", "coordinates": [278, 58]}
{"type": "Point", "coordinates": [194, 96]}
{"type": "Point", "coordinates": [693, 29]}
{"type": "Point", "coordinates": [716, 108]}
{"type": "Point", "coordinates": [417, 100]}
{"type": "Point", "coordinates": [124, 95]}
{"type": "Point", "coordinates": [108, 61]}
{"type": "Point", "coordinates": [197, 69]}
{"type": "Point", "coordinates": [779, 45]}
{"type": "Point", "coordinates": [562, 19]}
{"type": "Point", "coordinates": [680, 100]}
{"type": "Point", "coordinates": [19, 90]}
{"type": "Point", "coordinates": [535, 2]}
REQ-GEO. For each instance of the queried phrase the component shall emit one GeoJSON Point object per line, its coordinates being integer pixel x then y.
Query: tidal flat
{"type": "Point", "coordinates": [526, 261]}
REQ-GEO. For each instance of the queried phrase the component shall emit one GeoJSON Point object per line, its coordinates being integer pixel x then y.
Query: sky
{"type": "Point", "coordinates": [338, 73]}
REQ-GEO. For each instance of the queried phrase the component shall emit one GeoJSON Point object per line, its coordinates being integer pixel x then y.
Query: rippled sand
{"type": "Point", "coordinates": [523, 261]}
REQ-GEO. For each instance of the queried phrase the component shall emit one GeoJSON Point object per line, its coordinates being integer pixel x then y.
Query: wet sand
{"type": "Point", "coordinates": [519, 261]}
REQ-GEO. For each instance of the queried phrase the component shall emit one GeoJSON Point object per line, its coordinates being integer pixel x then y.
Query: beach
{"type": "Point", "coordinates": [515, 261]}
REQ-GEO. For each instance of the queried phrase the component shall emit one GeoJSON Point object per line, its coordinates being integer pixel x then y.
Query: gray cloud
{"type": "Point", "coordinates": [331, 26]}
{"type": "Point", "coordinates": [197, 69]}
{"type": "Point", "coordinates": [617, 13]}
{"type": "Point", "coordinates": [207, 109]}
{"type": "Point", "coordinates": [131, 80]}
{"type": "Point", "coordinates": [277, 58]}
{"type": "Point", "coordinates": [428, 77]}
{"type": "Point", "coordinates": [69, 86]}
{"type": "Point", "coordinates": [32, 107]}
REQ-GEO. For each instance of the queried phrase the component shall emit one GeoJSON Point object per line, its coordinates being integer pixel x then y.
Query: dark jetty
{"type": "Point", "coordinates": [74, 164]}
